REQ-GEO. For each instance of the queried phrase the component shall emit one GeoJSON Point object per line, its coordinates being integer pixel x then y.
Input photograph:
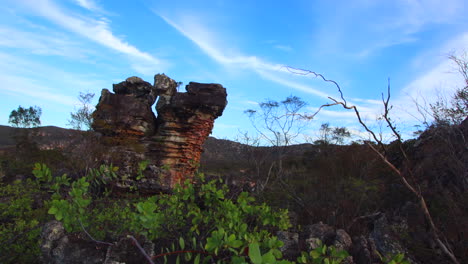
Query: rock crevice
{"type": "Point", "coordinates": [173, 138]}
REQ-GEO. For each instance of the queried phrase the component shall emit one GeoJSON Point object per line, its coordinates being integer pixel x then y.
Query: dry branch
{"type": "Point", "coordinates": [383, 154]}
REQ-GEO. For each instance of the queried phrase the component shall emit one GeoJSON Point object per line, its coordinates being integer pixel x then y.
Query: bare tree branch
{"type": "Point", "coordinates": [383, 154]}
{"type": "Point", "coordinates": [97, 241]}
{"type": "Point", "coordinates": [142, 250]}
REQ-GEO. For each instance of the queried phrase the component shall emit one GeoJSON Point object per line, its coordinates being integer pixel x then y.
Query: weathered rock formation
{"type": "Point", "coordinates": [127, 113]}
{"type": "Point", "coordinates": [184, 122]}
{"type": "Point", "coordinates": [171, 141]}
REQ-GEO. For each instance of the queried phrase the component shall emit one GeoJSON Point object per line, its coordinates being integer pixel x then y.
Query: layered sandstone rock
{"type": "Point", "coordinates": [172, 141]}
{"type": "Point", "coordinates": [127, 111]}
{"type": "Point", "coordinates": [184, 122]}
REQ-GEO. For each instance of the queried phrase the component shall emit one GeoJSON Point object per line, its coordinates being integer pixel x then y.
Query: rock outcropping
{"type": "Point", "coordinates": [127, 113]}
{"type": "Point", "coordinates": [171, 141]}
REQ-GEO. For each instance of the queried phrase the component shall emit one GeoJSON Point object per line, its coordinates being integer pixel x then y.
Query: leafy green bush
{"type": "Point", "coordinates": [220, 227]}
{"type": "Point", "coordinates": [323, 254]}
{"type": "Point", "coordinates": [20, 221]}
{"type": "Point", "coordinates": [201, 223]}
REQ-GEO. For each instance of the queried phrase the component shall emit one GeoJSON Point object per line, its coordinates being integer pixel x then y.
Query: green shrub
{"type": "Point", "coordinates": [323, 254]}
{"type": "Point", "coordinates": [218, 226]}
{"type": "Point", "coordinates": [20, 222]}
{"type": "Point", "coordinates": [198, 223]}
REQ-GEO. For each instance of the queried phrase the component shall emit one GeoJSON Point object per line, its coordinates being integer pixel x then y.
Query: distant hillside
{"type": "Point", "coordinates": [47, 136]}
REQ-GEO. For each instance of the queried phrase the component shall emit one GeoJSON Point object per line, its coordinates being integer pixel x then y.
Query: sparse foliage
{"type": "Point", "coordinates": [332, 135]}
{"type": "Point", "coordinates": [382, 151]}
{"type": "Point", "coordinates": [456, 110]}
{"type": "Point", "coordinates": [279, 123]}
{"type": "Point", "coordinates": [25, 117]}
{"type": "Point", "coordinates": [82, 118]}
{"type": "Point", "coordinates": [323, 254]}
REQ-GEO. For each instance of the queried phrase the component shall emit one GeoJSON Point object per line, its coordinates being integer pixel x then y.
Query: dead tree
{"type": "Point", "coordinates": [381, 150]}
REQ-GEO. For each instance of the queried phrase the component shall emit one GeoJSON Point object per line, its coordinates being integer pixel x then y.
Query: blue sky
{"type": "Point", "coordinates": [51, 50]}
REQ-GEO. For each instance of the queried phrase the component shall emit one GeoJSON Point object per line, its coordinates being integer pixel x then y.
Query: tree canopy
{"type": "Point", "coordinates": [25, 117]}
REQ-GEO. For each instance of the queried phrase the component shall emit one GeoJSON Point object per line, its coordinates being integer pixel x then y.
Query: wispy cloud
{"type": "Point", "coordinates": [192, 28]}
{"type": "Point", "coordinates": [440, 80]}
{"type": "Point", "coordinates": [87, 4]}
{"type": "Point", "coordinates": [23, 86]}
{"type": "Point", "coordinates": [210, 42]}
{"type": "Point", "coordinates": [250, 102]}
{"type": "Point", "coordinates": [292, 84]}
{"type": "Point", "coordinates": [393, 23]}
{"type": "Point", "coordinates": [96, 30]}
{"type": "Point", "coordinates": [42, 42]}
{"type": "Point", "coordinates": [283, 48]}
{"type": "Point", "coordinates": [204, 38]}
{"type": "Point", "coordinates": [25, 77]}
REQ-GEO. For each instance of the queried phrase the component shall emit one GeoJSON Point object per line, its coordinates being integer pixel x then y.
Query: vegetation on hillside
{"type": "Point", "coordinates": [421, 184]}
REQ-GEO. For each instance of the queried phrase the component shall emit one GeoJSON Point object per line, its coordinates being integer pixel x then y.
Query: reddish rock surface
{"type": "Point", "coordinates": [172, 141]}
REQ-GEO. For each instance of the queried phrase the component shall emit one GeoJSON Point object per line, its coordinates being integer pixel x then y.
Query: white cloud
{"type": "Point", "coordinates": [367, 113]}
{"type": "Point", "coordinates": [416, 14]}
{"type": "Point", "coordinates": [204, 38]}
{"type": "Point", "coordinates": [396, 32]}
{"type": "Point", "coordinates": [87, 4]}
{"type": "Point", "coordinates": [25, 77]}
{"type": "Point", "coordinates": [439, 81]}
{"type": "Point", "coordinates": [349, 31]}
{"type": "Point", "coordinates": [193, 29]}
{"type": "Point", "coordinates": [250, 102]}
{"type": "Point", "coordinates": [42, 43]}
{"type": "Point", "coordinates": [22, 86]}
{"type": "Point", "coordinates": [367, 101]}
{"type": "Point", "coordinates": [283, 48]}
{"type": "Point", "coordinates": [92, 29]}
{"type": "Point", "coordinates": [297, 86]}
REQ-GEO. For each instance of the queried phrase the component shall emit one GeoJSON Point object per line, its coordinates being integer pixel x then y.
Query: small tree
{"type": "Point", "coordinates": [339, 134]}
{"type": "Point", "coordinates": [279, 124]}
{"type": "Point", "coordinates": [332, 135]}
{"type": "Point", "coordinates": [25, 117]}
{"type": "Point", "coordinates": [82, 118]}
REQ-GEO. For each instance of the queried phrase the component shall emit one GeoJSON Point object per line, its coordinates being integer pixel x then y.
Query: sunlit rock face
{"type": "Point", "coordinates": [184, 122]}
{"type": "Point", "coordinates": [171, 141]}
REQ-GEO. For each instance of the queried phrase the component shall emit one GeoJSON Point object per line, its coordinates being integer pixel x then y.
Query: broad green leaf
{"type": "Point", "coordinates": [314, 254]}
{"type": "Point", "coordinates": [324, 249]}
{"type": "Point", "coordinates": [254, 253]}
{"type": "Point", "coordinates": [268, 258]}
{"type": "Point", "coordinates": [182, 243]}
{"type": "Point", "coordinates": [236, 243]}
{"type": "Point", "coordinates": [52, 210]}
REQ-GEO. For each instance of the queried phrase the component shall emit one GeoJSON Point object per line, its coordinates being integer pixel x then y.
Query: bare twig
{"type": "Point", "coordinates": [383, 154]}
{"type": "Point", "coordinates": [142, 250]}
{"type": "Point", "coordinates": [97, 241]}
